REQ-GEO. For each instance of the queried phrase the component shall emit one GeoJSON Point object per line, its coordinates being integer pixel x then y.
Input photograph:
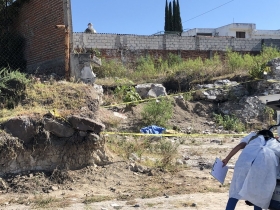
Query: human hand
{"type": "Point", "coordinates": [225, 161]}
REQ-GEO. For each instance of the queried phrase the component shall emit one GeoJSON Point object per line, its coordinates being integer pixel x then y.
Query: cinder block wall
{"type": "Point", "coordinates": [44, 43]}
{"type": "Point", "coordinates": [170, 42]}
{"type": "Point", "coordinates": [127, 48]}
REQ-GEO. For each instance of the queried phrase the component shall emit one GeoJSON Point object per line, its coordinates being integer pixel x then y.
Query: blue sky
{"type": "Point", "coordinates": [146, 17]}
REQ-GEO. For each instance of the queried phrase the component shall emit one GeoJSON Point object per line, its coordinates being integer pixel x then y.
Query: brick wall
{"type": "Point", "coordinates": [44, 43]}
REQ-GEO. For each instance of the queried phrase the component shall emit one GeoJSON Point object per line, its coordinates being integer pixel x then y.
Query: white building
{"type": "Point", "coordinates": [237, 30]}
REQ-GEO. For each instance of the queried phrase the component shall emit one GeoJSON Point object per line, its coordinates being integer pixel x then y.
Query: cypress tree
{"type": "Point", "coordinates": [170, 17]}
{"type": "Point", "coordinates": [179, 20]}
{"type": "Point", "coordinates": [174, 19]}
{"type": "Point", "coordinates": [166, 24]}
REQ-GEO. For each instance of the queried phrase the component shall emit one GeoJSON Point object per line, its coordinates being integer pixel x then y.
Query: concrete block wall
{"type": "Point", "coordinates": [170, 42]}
{"type": "Point", "coordinates": [44, 43]}
{"type": "Point", "coordinates": [132, 42]}
{"type": "Point", "coordinates": [224, 43]}
{"type": "Point", "coordinates": [179, 43]}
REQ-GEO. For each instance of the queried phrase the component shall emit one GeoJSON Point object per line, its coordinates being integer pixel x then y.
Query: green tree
{"type": "Point", "coordinates": [179, 20]}
{"type": "Point", "coordinates": [170, 17]}
{"type": "Point", "coordinates": [166, 24]}
{"type": "Point", "coordinates": [173, 20]}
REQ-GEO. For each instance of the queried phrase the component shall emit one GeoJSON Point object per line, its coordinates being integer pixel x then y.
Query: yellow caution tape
{"type": "Point", "coordinates": [182, 93]}
{"type": "Point", "coordinates": [178, 134]}
{"type": "Point", "coordinates": [175, 134]}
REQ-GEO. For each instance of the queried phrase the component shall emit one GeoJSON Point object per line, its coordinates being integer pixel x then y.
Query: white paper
{"type": "Point", "coordinates": [218, 171]}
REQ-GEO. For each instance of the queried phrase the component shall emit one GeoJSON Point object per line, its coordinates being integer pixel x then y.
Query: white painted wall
{"type": "Point", "coordinates": [193, 32]}
{"type": "Point", "coordinates": [231, 29]}
{"type": "Point", "coordinates": [266, 34]}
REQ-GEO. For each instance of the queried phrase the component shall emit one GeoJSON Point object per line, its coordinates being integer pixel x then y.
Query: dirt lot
{"type": "Point", "coordinates": [192, 187]}
{"type": "Point", "coordinates": [116, 186]}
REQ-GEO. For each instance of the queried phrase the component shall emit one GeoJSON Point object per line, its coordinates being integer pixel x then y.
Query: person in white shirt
{"type": "Point", "coordinates": [255, 171]}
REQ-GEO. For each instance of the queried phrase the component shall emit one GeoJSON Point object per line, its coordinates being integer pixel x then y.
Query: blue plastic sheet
{"type": "Point", "coordinates": [153, 129]}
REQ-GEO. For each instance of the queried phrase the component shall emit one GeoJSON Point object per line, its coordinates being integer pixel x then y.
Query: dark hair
{"type": "Point", "coordinates": [267, 134]}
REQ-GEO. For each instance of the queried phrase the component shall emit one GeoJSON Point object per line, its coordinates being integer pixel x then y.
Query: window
{"type": "Point", "coordinates": [240, 34]}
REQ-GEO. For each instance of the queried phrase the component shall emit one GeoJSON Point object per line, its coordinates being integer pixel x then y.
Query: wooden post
{"type": "Point", "coordinates": [67, 51]}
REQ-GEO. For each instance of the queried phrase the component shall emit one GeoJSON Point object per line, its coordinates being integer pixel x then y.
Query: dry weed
{"type": "Point", "coordinates": [96, 198]}
{"type": "Point", "coordinates": [49, 202]}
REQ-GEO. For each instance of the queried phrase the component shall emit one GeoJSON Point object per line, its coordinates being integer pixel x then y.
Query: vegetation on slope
{"type": "Point", "coordinates": [22, 93]}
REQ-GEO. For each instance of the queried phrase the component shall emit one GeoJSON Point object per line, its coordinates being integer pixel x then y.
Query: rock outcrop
{"type": "Point", "coordinates": [31, 144]}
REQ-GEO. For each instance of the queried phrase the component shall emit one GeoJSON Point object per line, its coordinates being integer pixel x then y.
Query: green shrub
{"type": "Point", "coordinates": [157, 112]}
{"type": "Point", "coordinates": [111, 68]}
{"type": "Point", "coordinates": [127, 93]}
{"type": "Point", "coordinates": [161, 65]}
{"type": "Point", "coordinates": [145, 64]}
{"type": "Point", "coordinates": [257, 71]}
{"type": "Point", "coordinates": [190, 66]}
{"type": "Point", "coordinates": [258, 63]}
{"type": "Point", "coordinates": [268, 53]}
{"type": "Point", "coordinates": [188, 96]}
{"type": "Point", "coordinates": [12, 87]}
{"type": "Point", "coordinates": [173, 60]}
{"type": "Point", "coordinates": [235, 60]}
{"type": "Point", "coordinates": [213, 66]}
{"type": "Point", "coordinates": [229, 122]}
{"type": "Point", "coordinates": [249, 61]}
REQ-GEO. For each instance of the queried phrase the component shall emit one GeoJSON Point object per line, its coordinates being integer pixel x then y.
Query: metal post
{"type": "Point", "coordinates": [67, 56]}
{"type": "Point", "coordinates": [67, 47]}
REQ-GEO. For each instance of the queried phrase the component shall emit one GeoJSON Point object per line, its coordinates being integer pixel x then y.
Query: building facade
{"type": "Point", "coordinates": [236, 30]}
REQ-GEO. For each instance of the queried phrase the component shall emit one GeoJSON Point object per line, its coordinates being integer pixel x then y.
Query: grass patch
{"type": "Point", "coordinates": [40, 98]}
{"type": "Point", "coordinates": [49, 202]}
{"type": "Point", "coordinates": [96, 198]}
{"type": "Point", "coordinates": [160, 154]}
